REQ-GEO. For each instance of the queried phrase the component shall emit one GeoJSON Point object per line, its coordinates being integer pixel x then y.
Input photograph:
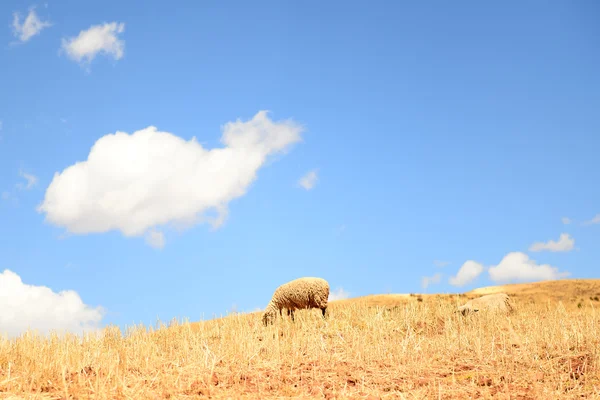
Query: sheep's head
{"type": "Point", "coordinates": [465, 310]}
{"type": "Point", "coordinates": [268, 317]}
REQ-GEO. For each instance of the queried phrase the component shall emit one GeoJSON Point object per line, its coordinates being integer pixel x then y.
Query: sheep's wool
{"type": "Point", "coordinates": [301, 293]}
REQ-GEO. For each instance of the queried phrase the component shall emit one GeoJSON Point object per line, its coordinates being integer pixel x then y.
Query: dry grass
{"type": "Point", "coordinates": [418, 349]}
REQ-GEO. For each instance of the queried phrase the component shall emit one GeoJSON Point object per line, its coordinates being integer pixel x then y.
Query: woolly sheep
{"type": "Point", "coordinates": [301, 293]}
{"type": "Point", "coordinates": [500, 302]}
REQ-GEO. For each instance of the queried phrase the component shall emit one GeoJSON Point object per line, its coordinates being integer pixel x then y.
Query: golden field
{"type": "Point", "coordinates": [380, 346]}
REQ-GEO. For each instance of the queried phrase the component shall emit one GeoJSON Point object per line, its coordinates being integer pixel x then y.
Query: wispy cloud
{"type": "Point", "coordinates": [84, 47]}
{"type": "Point", "coordinates": [340, 230]}
{"type": "Point", "coordinates": [30, 27]}
{"type": "Point", "coordinates": [309, 180]}
{"type": "Point", "coordinates": [566, 220]}
{"type": "Point", "coordinates": [30, 178]}
{"type": "Point", "coordinates": [155, 239]}
{"type": "Point", "coordinates": [431, 280]}
{"type": "Point", "coordinates": [9, 197]}
{"type": "Point", "coordinates": [338, 294]}
{"type": "Point", "coordinates": [564, 243]}
{"type": "Point", "coordinates": [440, 263]}
{"type": "Point", "coordinates": [593, 221]}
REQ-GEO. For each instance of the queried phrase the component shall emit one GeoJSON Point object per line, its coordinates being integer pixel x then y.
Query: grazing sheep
{"type": "Point", "coordinates": [499, 302]}
{"type": "Point", "coordinates": [301, 293]}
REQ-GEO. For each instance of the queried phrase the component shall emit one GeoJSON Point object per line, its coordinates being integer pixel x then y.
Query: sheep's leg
{"type": "Point", "coordinates": [292, 314]}
{"type": "Point", "coordinates": [323, 309]}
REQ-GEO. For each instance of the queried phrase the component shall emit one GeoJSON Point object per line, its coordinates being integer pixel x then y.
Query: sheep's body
{"type": "Point", "coordinates": [301, 293]}
{"type": "Point", "coordinates": [496, 302]}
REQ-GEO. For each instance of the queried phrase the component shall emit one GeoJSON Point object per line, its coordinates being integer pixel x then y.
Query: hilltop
{"type": "Point", "coordinates": [568, 291]}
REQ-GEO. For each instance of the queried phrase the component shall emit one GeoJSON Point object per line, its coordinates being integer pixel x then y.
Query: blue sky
{"type": "Point", "coordinates": [457, 143]}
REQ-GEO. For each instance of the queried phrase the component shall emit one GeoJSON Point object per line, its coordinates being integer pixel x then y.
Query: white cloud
{"type": "Point", "coordinates": [38, 307]}
{"type": "Point", "coordinates": [98, 38]}
{"type": "Point", "coordinates": [155, 239]}
{"type": "Point", "coordinates": [566, 220]}
{"type": "Point", "coordinates": [517, 267]}
{"type": "Point", "coordinates": [309, 180]}
{"type": "Point", "coordinates": [595, 220]}
{"type": "Point", "coordinates": [339, 294]}
{"type": "Point", "coordinates": [439, 263]}
{"type": "Point", "coordinates": [32, 25]}
{"type": "Point", "coordinates": [467, 273]}
{"type": "Point", "coordinates": [136, 182]}
{"type": "Point", "coordinates": [431, 280]}
{"type": "Point", "coordinates": [565, 243]}
{"type": "Point", "coordinates": [31, 181]}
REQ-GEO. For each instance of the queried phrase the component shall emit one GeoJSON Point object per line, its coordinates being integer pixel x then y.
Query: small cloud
{"type": "Point", "coordinates": [593, 221]}
{"type": "Point", "coordinates": [309, 180]}
{"type": "Point", "coordinates": [565, 243]}
{"type": "Point", "coordinates": [517, 267]}
{"type": "Point", "coordinates": [439, 263]}
{"type": "Point", "coordinates": [97, 39]}
{"type": "Point", "coordinates": [38, 307]}
{"type": "Point", "coordinates": [431, 280]}
{"type": "Point", "coordinates": [31, 181]}
{"type": "Point", "coordinates": [566, 220]}
{"type": "Point", "coordinates": [467, 273]}
{"type": "Point", "coordinates": [339, 294]}
{"type": "Point", "coordinates": [155, 239]}
{"type": "Point", "coordinates": [32, 25]}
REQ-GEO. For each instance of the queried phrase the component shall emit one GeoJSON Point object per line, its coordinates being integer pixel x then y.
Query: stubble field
{"type": "Point", "coordinates": [386, 346]}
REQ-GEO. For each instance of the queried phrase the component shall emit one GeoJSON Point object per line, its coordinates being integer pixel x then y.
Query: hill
{"type": "Point", "coordinates": [375, 347]}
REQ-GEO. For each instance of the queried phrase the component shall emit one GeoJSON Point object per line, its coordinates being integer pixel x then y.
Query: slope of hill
{"type": "Point", "coordinates": [359, 351]}
{"type": "Point", "coordinates": [568, 291]}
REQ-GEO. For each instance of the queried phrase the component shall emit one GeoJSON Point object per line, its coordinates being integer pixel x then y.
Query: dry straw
{"type": "Point", "coordinates": [421, 349]}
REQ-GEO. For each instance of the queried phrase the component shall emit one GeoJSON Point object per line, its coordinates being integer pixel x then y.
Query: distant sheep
{"type": "Point", "coordinates": [301, 293]}
{"type": "Point", "coordinates": [499, 302]}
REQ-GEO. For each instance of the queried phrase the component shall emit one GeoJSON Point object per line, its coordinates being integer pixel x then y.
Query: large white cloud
{"type": "Point", "coordinates": [96, 39]}
{"type": "Point", "coordinates": [135, 183]}
{"type": "Point", "coordinates": [467, 273]}
{"type": "Point", "coordinates": [24, 306]}
{"type": "Point", "coordinates": [564, 243]}
{"type": "Point", "coordinates": [517, 267]}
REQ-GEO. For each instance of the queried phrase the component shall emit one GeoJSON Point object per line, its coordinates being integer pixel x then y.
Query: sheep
{"type": "Point", "coordinates": [301, 293]}
{"type": "Point", "coordinates": [499, 302]}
